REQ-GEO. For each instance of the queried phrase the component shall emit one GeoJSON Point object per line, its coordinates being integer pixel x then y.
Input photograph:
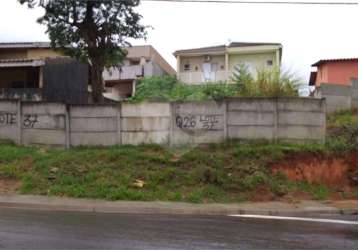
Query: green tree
{"type": "Point", "coordinates": [94, 31]}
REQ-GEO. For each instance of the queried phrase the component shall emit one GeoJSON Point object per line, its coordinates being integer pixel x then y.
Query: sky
{"type": "Point", "coordinates": [307, 32]}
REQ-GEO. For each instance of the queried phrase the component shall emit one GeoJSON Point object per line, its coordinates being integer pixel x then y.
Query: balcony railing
{"type": "Point", "coordinates": [123, 73]}
{"type": "Point", "coordinates": [197, 77]}
{"type": "Point", "coordinates": [25, 94]}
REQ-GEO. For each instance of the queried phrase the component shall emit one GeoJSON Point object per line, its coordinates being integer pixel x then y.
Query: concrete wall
{"type": "Point", "coordinates": [92, 125]}
{"type": "Point", "coordinates": [198, 122]}
{"type": "Point", "coordinates": [301, 119]}
{"type": "Point", "coordinates": [284, 119]}
{"type": "Point", "coordinates": [338, 97]}
{"type": "Point", "coordinates": [43, 124]}
{"type": "Point", "coordinates": [145, 123]}
{"type": "Point", "coordinates": [177, 123]}
{"type": "Point", "coordinates": [9, 120]}
{"type": "Point", "coordinates": [251, 118]}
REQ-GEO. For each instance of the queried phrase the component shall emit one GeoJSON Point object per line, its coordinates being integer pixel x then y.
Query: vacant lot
{"type": "Point", "coordinates": [229, 172]}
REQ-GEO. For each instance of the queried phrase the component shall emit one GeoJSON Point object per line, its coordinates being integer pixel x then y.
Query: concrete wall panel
{"type": "Point", "coordinates": [251, 118]}
{"type": "Point", "coordinates": [199, 108]}
{"type": "Point", "coordinates": [251, 132]}
{"type": "Point", "coordinates": [93, 139]}
{"type": "Point", "coordinates": [9, 120]}
{"type": "Point", "coordinates": [301, 132]}
{"type": "Point", "coordinates": [136, 138]}
{"type": "Point", "coordinates": [197, 137]}
{"type": "Point", "coordinates": [8, 105]}
{"type": "Point", "coordinates": [43, 108]}
{"type": "Point", "coordinates": [145, 110]}
{"type": "Point", "coordinates": [300, 104]}
{"type": "Point", "coordinates": [94, 111]}
{"type": "Point", "coordinates": [44, 137]}
{"type": "Point", "coordinates": [198, 122]}
{"type": "Point", "coordinates": [93, 124]}
{"type": "Point", "coordinates": [145, 124]}
{"type": "Point", "coordinates": [8, 133]}
{"type": "Point", "coordinates": [55, 122]}
{"type": "Point", "coordinates": [251, 104]}
{"type": "Point", "coordinates": [43, 123]}
{"type": "Point", "coordinates": [338, 97]}
{"type": "Point", "coordinates": [301, 118]}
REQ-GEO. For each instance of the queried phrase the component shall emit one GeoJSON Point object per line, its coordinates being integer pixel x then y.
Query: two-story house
{"type": "Point", "coordinates": [141, 61]}
{"type": "Point", "coordinates": [217, 64]}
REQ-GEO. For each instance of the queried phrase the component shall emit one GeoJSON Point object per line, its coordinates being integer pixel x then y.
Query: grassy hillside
{"type": "Point", "coordinates": [229, 172]}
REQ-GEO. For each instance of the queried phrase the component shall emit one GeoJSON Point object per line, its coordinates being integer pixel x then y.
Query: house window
{"type": "Point", "coordinates": [135, 62]}
{"type": "Point", "coordinates": [269, 62]}
{"type": "Point", "coordinates": [186, 67]}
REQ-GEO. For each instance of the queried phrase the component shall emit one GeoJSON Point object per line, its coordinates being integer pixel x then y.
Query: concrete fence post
{"type": "Point", "coordinates": [325, 119]}
{"type": "Point", "coordinates": [275, 120]}
{"type": "Point", "coordinates": [67, 126]}
{"type": "Point", "coordinates": [119, 124]}
{"type": "Point", "coordinates": [19, 122]}
{"type": "Point", "coordinates": [172, 121]}
{"type": "Point", "coordinates": [225, 118]}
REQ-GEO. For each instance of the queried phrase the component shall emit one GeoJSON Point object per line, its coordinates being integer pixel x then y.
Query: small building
{"type": "Point", "coordinates": [141, 61]}
{"type": "Point", "coordinates": [34, 71]}
{"type": "Point", "coordinates": [334, 71]}
{"type": "Point", "coordinates": [217, 64]}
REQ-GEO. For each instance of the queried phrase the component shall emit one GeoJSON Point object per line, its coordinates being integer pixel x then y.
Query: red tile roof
{"type": "Point", "coordinates": [333, 60]}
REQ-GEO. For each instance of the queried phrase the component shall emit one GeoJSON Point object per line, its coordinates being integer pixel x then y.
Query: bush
{"type": "Point", "coordinates": [168, 88]}
{"type": "Point", "coordinates": [268, 82]}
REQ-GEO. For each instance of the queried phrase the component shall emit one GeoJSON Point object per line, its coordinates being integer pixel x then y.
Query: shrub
{"type": "Point", "coordinates": [268, 82]}
{"type": "Point", "coordinates": [168, 88]}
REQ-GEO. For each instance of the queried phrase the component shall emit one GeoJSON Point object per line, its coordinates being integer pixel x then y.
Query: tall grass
{"type": "Point", "coordinates": [268, 82]}
{"type": "Point", "coordinates": [168, 88]}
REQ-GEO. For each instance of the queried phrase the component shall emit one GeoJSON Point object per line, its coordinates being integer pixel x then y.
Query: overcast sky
{"type": "Point", "coordinates": [308, 33]}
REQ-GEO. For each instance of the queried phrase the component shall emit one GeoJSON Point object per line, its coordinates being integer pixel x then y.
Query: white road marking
{"type": "Point", "coordinates": [294, 218]}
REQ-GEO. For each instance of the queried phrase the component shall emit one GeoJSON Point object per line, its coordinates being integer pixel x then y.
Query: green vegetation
{"type": "Point", "coordinates": [344, 119]}
{"type": "Point", "coordinates": [270, 82]}
{"type": "Point", "coordinates": [220, 173]}
{"type": "Point", "coordinates": [230, 172]}
{"type": "Point", "coordinates": [342, 129]}
{"type": "Point", "coordinates": [168, 88]}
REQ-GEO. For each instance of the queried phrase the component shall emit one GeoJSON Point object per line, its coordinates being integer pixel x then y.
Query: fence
{"type": "Point", "coordinates": [57, 124]}
{"type": "Point", "coordinates": [338, 97]}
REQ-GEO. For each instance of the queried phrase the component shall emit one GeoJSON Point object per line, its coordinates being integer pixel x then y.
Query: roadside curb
{"type": "Point", "coordinates": [304, 208]}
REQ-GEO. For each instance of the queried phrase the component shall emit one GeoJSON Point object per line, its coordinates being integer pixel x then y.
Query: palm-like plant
{"type": "Point", "coordinates": [268, 82]}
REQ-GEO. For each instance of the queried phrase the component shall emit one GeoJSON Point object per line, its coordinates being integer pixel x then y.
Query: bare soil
{"type": "Point", "coordinates": [8, 186]}
{"type": "Point", "coordinates": [332, 171]}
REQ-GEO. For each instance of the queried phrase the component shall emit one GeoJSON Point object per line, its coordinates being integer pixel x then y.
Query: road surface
{"type": "Point", "coordinates": [22, 229]}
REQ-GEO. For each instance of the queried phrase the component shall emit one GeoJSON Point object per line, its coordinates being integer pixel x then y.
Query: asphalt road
{"type": "Point", "coordinates": [20, 229]}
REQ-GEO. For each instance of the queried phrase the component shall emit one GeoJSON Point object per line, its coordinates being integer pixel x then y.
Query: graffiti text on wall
{"type": "Point", "coordinates": [10, 119]}
{"type": "Point", "coordinates": [29, 121]}
{"type": "Point", "coordinates": [7, 118]}
{"type": "Point", "coordinates": [203, 122]}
